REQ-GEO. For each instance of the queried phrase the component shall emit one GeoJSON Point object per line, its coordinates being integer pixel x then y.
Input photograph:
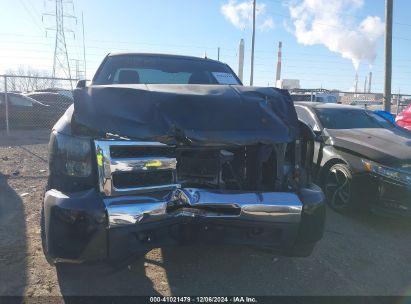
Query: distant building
{"type": "Point", "coordinates": [288, 84]}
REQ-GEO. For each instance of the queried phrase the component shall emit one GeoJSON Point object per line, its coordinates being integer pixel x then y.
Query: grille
{"type": "Point", "coordinates": [142, 179]}
{"type": "Point", "coordinates": [141, 151]}
{"type": "Point", "coordinates": [198, 164]}
{"type": "Point", "coordinates": [127, 167]}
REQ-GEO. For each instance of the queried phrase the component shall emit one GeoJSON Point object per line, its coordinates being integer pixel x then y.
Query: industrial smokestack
{"type": "Point", "coordinates": [278, 75]}
{"type": "Point", "coordinates": [365, 85]}
{"type": "Point", "coordinates": [356, 83]}
{"type": "Point", "coordinates": [369, 82]}
{"type": "Point", "coordinates": [241, 60]}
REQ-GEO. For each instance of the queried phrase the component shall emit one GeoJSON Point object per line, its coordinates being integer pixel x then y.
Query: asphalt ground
{"type": "Point", "coordinates": [360, 254]}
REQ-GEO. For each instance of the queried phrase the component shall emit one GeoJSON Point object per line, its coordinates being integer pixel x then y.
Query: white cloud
{"type": "Point", "coordinates": [328, 23]}
{"type": "Point", "coordinates": [241, 15]}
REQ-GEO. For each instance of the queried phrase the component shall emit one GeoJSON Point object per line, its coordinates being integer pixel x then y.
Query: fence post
{"type": "Point", "coordinates": [6, 101]}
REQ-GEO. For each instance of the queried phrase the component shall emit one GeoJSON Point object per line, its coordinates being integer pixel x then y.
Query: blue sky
{"type": "Point", "coordinates": [195, 27]}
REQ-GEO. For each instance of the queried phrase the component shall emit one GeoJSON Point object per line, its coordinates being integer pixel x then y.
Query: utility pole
{"type": "Point", "coordinates": [388, 55]}
{"type": "Point", "coordinates": [61, 63]}
{"type": "Point", "coordinates": [7, 106]}
{"type": "Point", "coordinates": [252, 46]}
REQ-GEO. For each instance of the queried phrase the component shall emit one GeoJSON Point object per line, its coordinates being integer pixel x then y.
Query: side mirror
{"type": "Point", "coordinates": [81, 84]}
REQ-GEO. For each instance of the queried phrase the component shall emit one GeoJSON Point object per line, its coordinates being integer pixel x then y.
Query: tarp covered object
{"type": "Point", "coordinates": [200, 115]}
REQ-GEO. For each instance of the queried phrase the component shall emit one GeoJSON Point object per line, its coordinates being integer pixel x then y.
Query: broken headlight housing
{"type": "Point", "coordinates": [70, 155]}
{"type": "Point", "coordinates": [397, 175]}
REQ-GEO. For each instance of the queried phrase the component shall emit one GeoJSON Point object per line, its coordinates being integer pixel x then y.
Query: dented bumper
{"type": "Point", "coordinates": [86, 226]}
{"type": "Point", "coordinates": [193, 203]}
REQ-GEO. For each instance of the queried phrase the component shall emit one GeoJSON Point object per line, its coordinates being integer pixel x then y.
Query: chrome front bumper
{"type": "Point", "coordinates": [268, 207]}
{"type": "Point", "coordinates": [87, 226]}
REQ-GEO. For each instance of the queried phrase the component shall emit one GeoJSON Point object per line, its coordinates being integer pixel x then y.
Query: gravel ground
{"type": "Point", "coordinates": [359, 255]}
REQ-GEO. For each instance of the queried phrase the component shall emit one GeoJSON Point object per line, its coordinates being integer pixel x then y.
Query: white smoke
{"type": "Point", "coordinates": [241, 15]}
{"type": "Point", "coordinates": [330, 23]}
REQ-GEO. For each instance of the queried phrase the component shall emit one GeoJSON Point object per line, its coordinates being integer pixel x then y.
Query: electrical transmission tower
{"type": "Point", "coordinates": [61, 62]}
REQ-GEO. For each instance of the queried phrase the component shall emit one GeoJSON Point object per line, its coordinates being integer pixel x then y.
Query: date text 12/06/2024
{"type": "Point", "coordinates": [239, 299]}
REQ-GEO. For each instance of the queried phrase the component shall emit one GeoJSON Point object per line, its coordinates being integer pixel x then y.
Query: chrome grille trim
{"type": "Point", "coordinates": [108, 165]}
{"type": "Point", "coordinates": [141, 163]}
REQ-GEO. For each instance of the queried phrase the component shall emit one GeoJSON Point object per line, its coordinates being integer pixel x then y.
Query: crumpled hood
{"type": "Point", "coordinates": [190, 114]}
{"type": "Point", "coordinates": [390, 147]}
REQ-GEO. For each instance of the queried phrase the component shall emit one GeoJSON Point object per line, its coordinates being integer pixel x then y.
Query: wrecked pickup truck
{"type": "Point", "coordinates": [163, 149]}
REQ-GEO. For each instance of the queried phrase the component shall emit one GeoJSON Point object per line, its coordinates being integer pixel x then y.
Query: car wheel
{"type": "Point", "coordinates": [338, 188]}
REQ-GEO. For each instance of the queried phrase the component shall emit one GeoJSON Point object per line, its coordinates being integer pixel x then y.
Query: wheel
{"type": "Point", "coordinates": [338, 188]}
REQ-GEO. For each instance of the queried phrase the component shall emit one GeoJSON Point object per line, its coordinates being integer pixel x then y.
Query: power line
{"type": "Point", "coordinates": [61, 62]}
{"type": "Point", "coordinates": [29, 13]}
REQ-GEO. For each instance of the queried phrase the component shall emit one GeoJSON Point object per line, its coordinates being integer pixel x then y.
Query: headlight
{"type": "Point", "coordinates": [71, 155]}
{"type": "Point", "coordinates": [388, 172]}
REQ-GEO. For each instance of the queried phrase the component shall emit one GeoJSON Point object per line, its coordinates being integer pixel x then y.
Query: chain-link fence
{"type": "Point", "coordinates": [28, 102]}
{"type": "Point", "coordinates": [375, 101]}
{"type": "Point", "coordinates": [371, 101]}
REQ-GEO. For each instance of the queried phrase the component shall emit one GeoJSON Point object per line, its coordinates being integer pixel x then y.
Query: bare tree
{"type": "Point", "coordinates": [27, 79]}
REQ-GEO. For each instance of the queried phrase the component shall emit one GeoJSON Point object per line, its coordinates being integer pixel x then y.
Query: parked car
{"type": "Point", "coordinates": [164, 149]}
{"type": "Point", "coordinates": [24, 111]}
{"type": "Point", "coordinates": [58, 102]}
{"type": "Point", "coordinates": [404, 118]}
{"type": "Point", "coordinates": [64, 92]}
{"type": "Point", "coordinates": [387, 115]}
{"type": "Point", "coordinates": [359, 157]}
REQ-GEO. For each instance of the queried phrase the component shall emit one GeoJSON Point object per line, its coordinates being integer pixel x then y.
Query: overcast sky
{"type": "Point", "coordinates": [324, 41]}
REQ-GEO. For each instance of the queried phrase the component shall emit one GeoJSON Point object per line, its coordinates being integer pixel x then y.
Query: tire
{"type": "Point", "coordinates": [339, 189]}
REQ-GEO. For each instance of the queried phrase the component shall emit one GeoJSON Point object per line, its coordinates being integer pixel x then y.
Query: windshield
{"type": "Point", "coordinates": [132, 69]}
{"type": "Point", "coordinates": [351, 119]}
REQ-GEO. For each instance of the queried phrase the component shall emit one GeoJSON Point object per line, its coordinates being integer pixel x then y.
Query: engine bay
{"type": "Point", "coordinates": [257, 167]}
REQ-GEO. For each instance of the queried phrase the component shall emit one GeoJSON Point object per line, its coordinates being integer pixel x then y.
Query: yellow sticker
{"type": "Point", "coordinates": [100, 160]}
{"type": "Point", "coordinates": [153, 163]}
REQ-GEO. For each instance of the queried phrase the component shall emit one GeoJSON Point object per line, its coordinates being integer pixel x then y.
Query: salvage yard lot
{"type": "Point", "coordinates": [359, 255]}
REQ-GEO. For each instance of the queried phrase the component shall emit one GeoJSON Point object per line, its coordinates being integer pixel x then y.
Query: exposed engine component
{"type": "Point", "coordinates": [262, 167]}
